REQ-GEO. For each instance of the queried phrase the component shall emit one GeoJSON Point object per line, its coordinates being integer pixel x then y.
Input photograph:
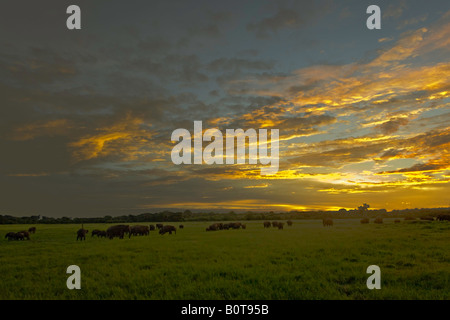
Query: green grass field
{"type": "Point", "coordinates": [305, 261]}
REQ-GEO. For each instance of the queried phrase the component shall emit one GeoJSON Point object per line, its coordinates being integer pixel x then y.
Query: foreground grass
{"type": "Point", "coordinates": [305, 261]}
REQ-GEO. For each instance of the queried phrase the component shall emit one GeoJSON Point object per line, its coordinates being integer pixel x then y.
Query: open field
{"type": "Point", "coordinates": [305, 261]}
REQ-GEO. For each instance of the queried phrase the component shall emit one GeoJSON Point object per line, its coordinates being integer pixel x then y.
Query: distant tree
{"type": "Point", "coordinates": [364, 208]}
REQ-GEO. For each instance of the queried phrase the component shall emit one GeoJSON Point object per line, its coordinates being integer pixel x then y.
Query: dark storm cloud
{"type": "Point", "coordinates": [239, 105]}
{"type": "Point", "coordinates": [395, 10]}
{"type": "Point", "coordinates": [391, 153]}
{"type": "Point", "coordinates": [172, 67]}
{"type": "Point", "coordinates": [38, 66]}
{"type": "Point", "coordinates": [155, 45]}
{"type": "Point", "coordinates": [435, 138]}
{"type": "Point", "coordinates": [211, 30]}
{"type": "Point", "coordinates": [284, 18]}
{"type": "Point", "coordinates": [392, 125]}
{"type": "Point", "coordinates": [340, 156]}
{"type": "Point", "coordinates": [438, 120]}
{"type": "Point", "coordinates": [48, 154]}
{"type": "Point", "coordinates": [420, 167]}
{"type": "Point", "coordinates": [237, 64]}
{"type": "Point", "coordinates": [288, 15]}
{"type": "Point", "coordinates": [304, 87]}
{"type": "Point", "coordinates": [305, 125]}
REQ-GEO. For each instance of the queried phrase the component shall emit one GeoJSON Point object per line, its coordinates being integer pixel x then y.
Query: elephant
{"type": "Point", "coordinates": [168, 229]}
{"type": "Point", "coordinates": [26, 234]}
{"type": "Point", "coordinates": [443, 217]}
{"type": "Point", "coordinates": [11, 236]}
{"type": "Point", "coordinates": [378, 220]}
{"type": "Point", "coordinates": [95, 232]}
{"type": "Point", "coordinates": [117, 231]}
{"type": "Point", "coordinates": [139, 230]}
{"type": "Point", "coordinates": [213, 227]}
{"type": "Point", "coordinates": [81, 234]}
{"type": "Point", "coordinates": [327, 222]}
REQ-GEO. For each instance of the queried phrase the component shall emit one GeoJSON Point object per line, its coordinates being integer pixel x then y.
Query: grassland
{"type": "Point", "coordinates": [305, 261]}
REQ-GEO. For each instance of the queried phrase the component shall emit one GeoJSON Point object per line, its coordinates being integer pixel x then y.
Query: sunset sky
{"type": "Point", "coordinates": [86, 116]}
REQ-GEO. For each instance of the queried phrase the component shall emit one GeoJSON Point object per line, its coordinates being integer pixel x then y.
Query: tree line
{"type": "Point", "coordinates": [187, 215]}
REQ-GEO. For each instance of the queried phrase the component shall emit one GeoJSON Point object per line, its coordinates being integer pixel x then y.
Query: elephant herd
{"type": "Point", "coordinates": [379, 220]}
{"type": "Point", "coordinates": [119, 231]}
{"type": "Point", "coordinates": [21, 235]}
{"type": "Point", "coordinates": [140, 230]}
{"type": "Point", "coordinates": [276, 224]}
{"type": "Point", "coordinates": [226, 226]}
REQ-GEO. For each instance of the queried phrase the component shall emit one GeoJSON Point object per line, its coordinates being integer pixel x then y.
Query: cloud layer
{"type": "Point", "coordinates": [86, 118]}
